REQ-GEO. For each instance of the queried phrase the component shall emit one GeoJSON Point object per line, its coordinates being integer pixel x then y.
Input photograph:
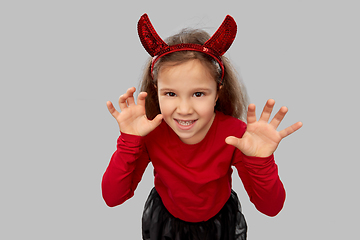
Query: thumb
{"type": "Point", "coordinates": [157, 120]}
{"type": "Point", "coordinates": [234, 141]}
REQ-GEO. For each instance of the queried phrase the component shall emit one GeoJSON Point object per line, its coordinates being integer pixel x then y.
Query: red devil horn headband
{"type": "Point", "coordinates": [215, 47]}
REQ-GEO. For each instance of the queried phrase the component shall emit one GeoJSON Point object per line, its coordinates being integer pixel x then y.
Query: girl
{"type": "Point", "coordinates": [187, 123]}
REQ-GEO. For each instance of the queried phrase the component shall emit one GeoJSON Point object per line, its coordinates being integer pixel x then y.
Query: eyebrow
{"type": "Point", "coordinates": [192, 90]}
{"type": "Point", "coordinates": [166, 90]}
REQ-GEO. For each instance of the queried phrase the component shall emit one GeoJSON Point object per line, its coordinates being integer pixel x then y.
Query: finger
{"type": "Point", "coordinates": [279, 117]}
{"type": "Point", "coordinates": [266, 113]}
{"type": "Point", "coordinates": [122, 102]}
{"type": "Point", "coordinates": [111, 109]}
{"type": "Point", "coordinates": [141, 99]}
{"type": "Point", "coordinates": [130, 100]}
{"type": "Point", "coordinates": [289, 130]}
{"type": "Point", "coordinates": [251, 115]}
{"type": "Point", "coordinates": [124, 99]}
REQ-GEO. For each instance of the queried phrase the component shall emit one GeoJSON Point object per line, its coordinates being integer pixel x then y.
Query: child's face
{"type": "Point", "coordinates": [187, 97]}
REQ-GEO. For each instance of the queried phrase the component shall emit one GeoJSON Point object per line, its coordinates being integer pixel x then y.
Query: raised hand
{"type": "Point", "coordinates": [132, 118]}
{"type": "Point", "coordinates": [262, 138]}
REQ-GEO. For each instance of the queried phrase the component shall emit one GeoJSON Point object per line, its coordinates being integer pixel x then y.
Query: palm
{"type": "Point", "coordinates": [133, 121]}
{"type": "Point", "coordinates": [262, 138]}
{"type": "Point", "coordinates": [132, 118]}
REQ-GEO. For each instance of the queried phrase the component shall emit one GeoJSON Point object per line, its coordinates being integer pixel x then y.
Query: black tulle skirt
{"type": "Point", "coordinates": [159, 224]}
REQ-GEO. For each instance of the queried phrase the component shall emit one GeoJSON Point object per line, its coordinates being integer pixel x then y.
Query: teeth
{"type": "Point", "coordinates": [185, 123]}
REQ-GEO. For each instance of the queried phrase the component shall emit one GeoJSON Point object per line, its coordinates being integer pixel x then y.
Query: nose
{"type": "Point", "coordinates": [184, 107]}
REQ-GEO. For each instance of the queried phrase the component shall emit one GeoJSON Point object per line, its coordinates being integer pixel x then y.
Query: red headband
{"type": "Point", "coordinates": [215, 47]}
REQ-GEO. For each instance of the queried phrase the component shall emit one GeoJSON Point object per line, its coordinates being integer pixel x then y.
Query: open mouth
{"type": "Point", "coordinates": [185, 123]}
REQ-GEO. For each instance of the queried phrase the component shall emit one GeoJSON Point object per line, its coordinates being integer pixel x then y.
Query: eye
{"type": "Point", "coordinates": [198, 94]}
{"type": "Point", "coordinates": [170, 94]}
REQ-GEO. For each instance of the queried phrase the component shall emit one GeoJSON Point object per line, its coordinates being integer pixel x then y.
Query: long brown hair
{"type": "Point", "coordinates": [232, 94]}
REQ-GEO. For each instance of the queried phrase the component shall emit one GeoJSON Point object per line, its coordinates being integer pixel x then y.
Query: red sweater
{"type": "Point", "coordinates": [193, 181]}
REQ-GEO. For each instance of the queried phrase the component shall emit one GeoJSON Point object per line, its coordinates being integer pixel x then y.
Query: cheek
{"type": "Point", "coordinates": [165, 106]}
{"type": "Point", "coordinates": [206, 108]}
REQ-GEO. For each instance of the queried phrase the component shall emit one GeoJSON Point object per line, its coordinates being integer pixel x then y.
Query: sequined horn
{"type": "Point", "coordinates": [215, 47]}
{"type": "Point", "coordinates": [220, 42]}
{"type": "Point", "coordinates": [222, 39]}
{"type": "Point", "coordinates": [149, 38]}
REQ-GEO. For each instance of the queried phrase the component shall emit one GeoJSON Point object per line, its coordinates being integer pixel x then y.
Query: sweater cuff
{"type": "Point", "coordinates": [133, 140]}
{"type": "Point", "coordinates": [258, 161]}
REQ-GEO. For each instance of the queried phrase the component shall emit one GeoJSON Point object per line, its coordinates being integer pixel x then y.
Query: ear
{"type": "Point", "coordinates": [217, 94]}
{"type": "Point", "coordinates": [149, 38]}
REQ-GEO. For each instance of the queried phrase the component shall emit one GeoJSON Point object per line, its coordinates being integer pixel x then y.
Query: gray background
{"type": "Point", "coordinates": [62, 60]}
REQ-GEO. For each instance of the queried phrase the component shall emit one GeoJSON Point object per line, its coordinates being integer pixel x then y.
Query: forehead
{"type": "Point", "coordinates": [189, 74]}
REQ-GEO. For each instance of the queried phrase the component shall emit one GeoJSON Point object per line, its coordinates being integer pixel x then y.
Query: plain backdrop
{"type": "Point", "coordinates": [60, 61]}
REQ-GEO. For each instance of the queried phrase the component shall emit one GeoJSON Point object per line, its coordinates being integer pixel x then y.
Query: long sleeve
{"type": "Point", "coordinates": [262, 183]}
{"type": "Point", "coordinates": [125, 170]}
